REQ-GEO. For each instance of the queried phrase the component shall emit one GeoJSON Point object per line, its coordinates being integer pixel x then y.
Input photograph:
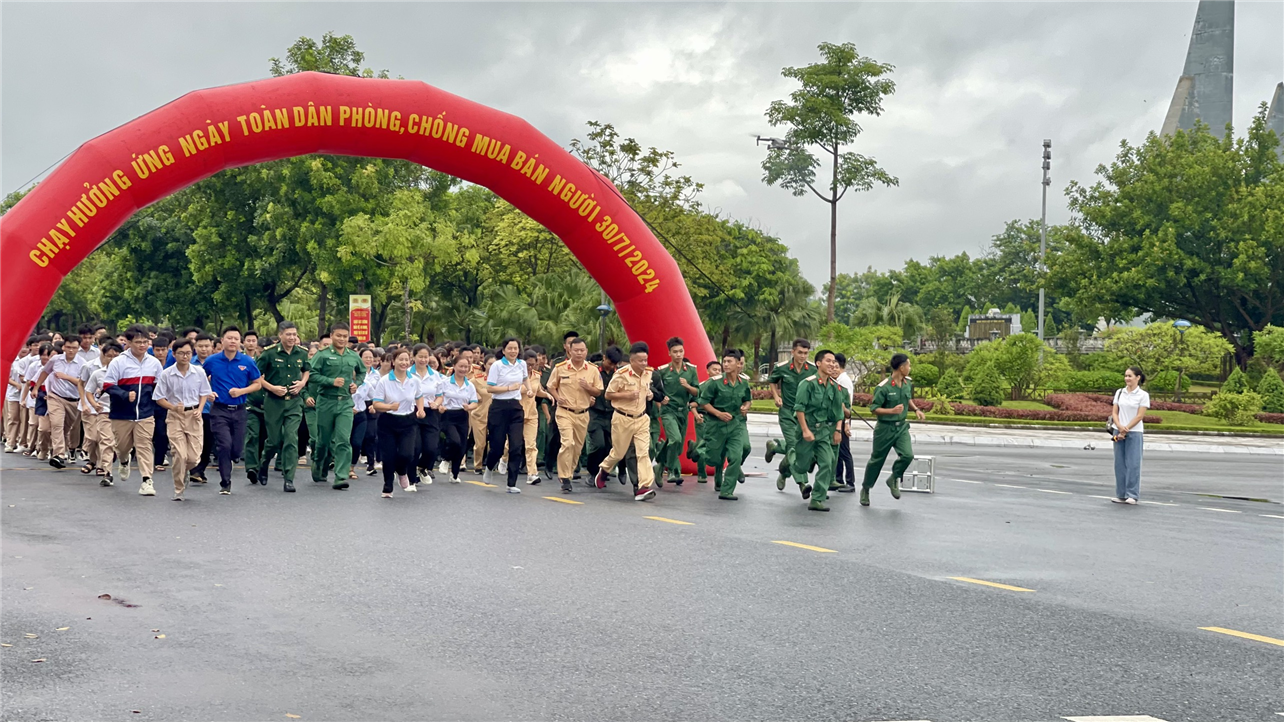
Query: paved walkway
{"type": "Point", "coordinates": [1057, 438]}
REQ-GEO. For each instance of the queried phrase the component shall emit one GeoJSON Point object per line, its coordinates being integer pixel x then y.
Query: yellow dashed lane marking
{"type": "Point", "coordinates": [996, 585]}
{"type": "Point", "coordinates": [560, 500]}
{"type": "Point", "coordinates": [1245, 635]}
{"type": "Point", "coordinates": [670, 521]}
{"type": "Point", "coordinates": [806, 546]}
{"type": "Point", "coordinates": [478, 483]}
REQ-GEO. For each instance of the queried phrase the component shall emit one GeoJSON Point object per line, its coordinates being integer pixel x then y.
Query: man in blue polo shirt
{"type": "Point", "coordinates": [233, 376]}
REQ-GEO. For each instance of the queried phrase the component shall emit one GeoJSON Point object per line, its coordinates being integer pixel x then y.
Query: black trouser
{"type": "Point", "coordinates": [455, 424]}
{"type": "Point", "coordinates": [552, 443]}
{"type": "Point", "coordinates": [207, 447]}
{"type": "Point", "coordinates": [227, 426]}
{"type": "Point", "coordinates": [397, 442]}
{"type": "Point", "coordinates": [160, 440]}
{"type": "Point", "coordinates": [505, 422]}
{"type": "Point", "coordinates": [357, 438]}
{"type": "Point", "coordinates": [370, 446]}
{"type": "Point", "coordinates": [429, 448]}
{"type": "Point", "coordinates": [846, 471]}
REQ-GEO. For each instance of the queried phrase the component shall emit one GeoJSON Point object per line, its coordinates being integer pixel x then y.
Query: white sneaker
{"type": "Point", "coordinates": [378, 466]}
{"type": "Point", "coordinates": [21, 450]}
{"type": "Point", "coordinates": [503, 467]}
{"type": "Point", "coordinates": [532, 479]}
{"type": "Point", "coordinates": [487, 475]}
{"type": "Point", "coordinates": [514, 490]}
{"type": "Point", "coordinates": [454, 479]}
{"type": "Point", "coordinates": [125, 471]}
{"type": "Point", "coordinates": [444, 467]}
{"type": "Point", "coordinates": [146, 489]}
{"type": "Point", "coordinates": [8, 449]}
{"type": "Point", "coordinates": [420, 475]}
{"type": "Point", "coordinates": [412, 487]}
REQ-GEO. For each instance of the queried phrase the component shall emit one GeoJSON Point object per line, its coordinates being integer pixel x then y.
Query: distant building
{"type": "Point", "coordinates": [993, 325]}
{"type": "Point", "coordinates": [1207, 82]}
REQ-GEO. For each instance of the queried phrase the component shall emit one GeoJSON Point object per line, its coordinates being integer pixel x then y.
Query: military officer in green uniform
{"type": "Point", "coordinates": [892, 398]}
{"type": "Point", "coordinates": [254, 412]}
{"type": "Point", "coordinates": [784, 379]}
{"type": "Point", "coordinates": [697, 448]}
{"type": "Point", "coordinates": [335, 373]}
{"type": "Point", "coordinates": [285, 371]}
{"type": "Point", "coordinates": [724, 398]}
{"type": "Point", "coordinates": [681, 387]}
{"type": "Point", "coordinates": [819, 408]}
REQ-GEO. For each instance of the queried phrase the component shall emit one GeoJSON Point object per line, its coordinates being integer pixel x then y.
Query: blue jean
{"type": "Point", "coordinates": [1128, 466]}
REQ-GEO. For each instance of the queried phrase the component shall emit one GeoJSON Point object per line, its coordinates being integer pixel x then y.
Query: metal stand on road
{"type": "Point", "coordinates": [921, 475]}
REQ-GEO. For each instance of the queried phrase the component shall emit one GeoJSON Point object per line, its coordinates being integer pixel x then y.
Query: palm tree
{"type": "Point", "coordinates": [905, 316]}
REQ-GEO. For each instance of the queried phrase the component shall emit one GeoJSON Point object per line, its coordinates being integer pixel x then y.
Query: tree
{"type": "Point", "coordinates": [1269, 344]}
{"type": "Point", "coordinates": [905, 316]}
{"type": "Point", "coordinates": [950, 386]}
{"type": "Point", "coordinates": [1271, 389]}
{"type": "Point", "coordinates": [822, 113]}
{"type": "Point", "coordinates": [1236, 383]}
{"type": "Point", "coordinates": [868, 349]}
{"type": "Point", "coordinates": [1160, 347]}
{"type": "Point", "coordinates": [1184, 226]}
{"type": "Point", "coordinates": [1016, 359]}
{"type": "Point", "coordinates": [987, 389]}
{"type": "Point", "coordinates": [852, 288]}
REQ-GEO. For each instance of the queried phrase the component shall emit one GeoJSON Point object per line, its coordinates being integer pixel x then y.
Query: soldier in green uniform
{"type": "Point", "coordinates": [724, 398]}
{"type": "Point", "coordinates": [891, 400]}
{"type": "Point", "coordinates": [335, 373]}
{"type": "Point", "coordinates": [784, 378]}
{"type": "Point", "coordinates": [697, 448]}
{"type": "Point", "coordinates": [285, 371]}
{"type": "Point", "coordinates": [819, 409]}
{"type": "Point", "coordinates": [254, 413]}
{"type": "Point", "coordinates": [681, 387]}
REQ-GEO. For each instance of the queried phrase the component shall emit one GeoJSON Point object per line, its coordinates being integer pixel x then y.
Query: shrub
{"type": "Point", "coordinates": [1271, 389]}
{"type": "Point", "coordinates": [1236, 383]}
{"type": "Point", "coordinates": [1076, 402]}
{"type": "Point", "coordinates": [924, 374]}
{"type": "Point", "coordinates": [1105, 361]}
{"type": "Point", "coordinates": [1166, 381]}
{"type": "Point", "coordinates": [987, 390]}
{"type": "Point", "coordinates": [1271, 418]}
{"type": "Point", "coordinates": [1235, 409]}
{"type": "Point", "coordinates": [760, 394]}
{"type": "Point", "coordinates": [1093, 381]}
{"type": "Point", "coordinates": [950, 386]}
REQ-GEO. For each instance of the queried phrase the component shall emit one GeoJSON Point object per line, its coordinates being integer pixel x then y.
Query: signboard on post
{"type": "Point", "coordinates": [359, 318]}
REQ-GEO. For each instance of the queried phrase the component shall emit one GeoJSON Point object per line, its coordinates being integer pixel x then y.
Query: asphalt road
{"type": "Point", "coordinates": [462, 602]}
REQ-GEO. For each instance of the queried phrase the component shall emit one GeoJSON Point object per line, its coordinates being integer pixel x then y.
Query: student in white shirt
{"type": "Point", "coordinates": [361, 413]}
{"type": "Point", "coordinates": [1128, 410]}
{"type": "Point", "coordinates": [428, 446]}
{"type": "Point", "coordinates": [458, 399]}
{"type": "Point", "coordinates": [183, 390]}
{"type": "Point", "coordinates": [845, 473]}
{"type": "Point", "coordinates": [14, 414]}
{"type": "Point", "coordinates": [94, 405]}
{"type": "Point", "coordinates": [61, 377]}
{"type": "Point", "coordinates": [37, 423]}
{"type": "Point", "coordinates": [400, 403]}
{"type": "Point", "coordinates": [505, 380]}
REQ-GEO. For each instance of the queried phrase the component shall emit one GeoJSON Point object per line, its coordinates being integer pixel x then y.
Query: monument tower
{"type": "Point", "coordinates": [1206, 87]}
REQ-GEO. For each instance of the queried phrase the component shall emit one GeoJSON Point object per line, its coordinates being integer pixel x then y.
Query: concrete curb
{"type": "Point", "coordinates": [1025, 438]}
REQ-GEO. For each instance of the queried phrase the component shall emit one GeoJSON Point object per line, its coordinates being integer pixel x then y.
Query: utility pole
{"type": "Point", "coordinates": [1043, 236]}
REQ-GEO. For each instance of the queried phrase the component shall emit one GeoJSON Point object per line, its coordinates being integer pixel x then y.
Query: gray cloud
{"type": "Point", "coordinates": [979, 86]}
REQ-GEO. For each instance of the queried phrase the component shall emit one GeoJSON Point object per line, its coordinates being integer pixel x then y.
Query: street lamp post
{"type": "Point", "coordinates": [1043, 236]}
{"type": "Point", "coordinates": [1181, 325]}
{"type": "Point", "coordinates": [603, 311]}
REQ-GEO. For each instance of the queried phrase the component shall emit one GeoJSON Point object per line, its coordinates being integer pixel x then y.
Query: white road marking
{"type": "Point", "coordinates": [1010, 486]}
{"type": "Point", "coordinates": [1224, 511]}
{"type": "Point", "coordinates": [965, 481]}
{"type": "Point", "coordinates": [1118, 718]}
{"type": "Point", "coordinates": [1052, 491]}
{"type": "Point", "coordinates": [1094, 496]}
{"type": "Point", "coordinates": [1274, 516]}
{"type": "Point", "coordinates": [1160, 503]}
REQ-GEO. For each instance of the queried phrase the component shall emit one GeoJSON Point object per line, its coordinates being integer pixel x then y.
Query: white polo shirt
{"type": "Point", "coordinates": [430, 383]}
{"type": "Point", "coordinates": [88, 356]}
{"type": "Point", "coordinates": [506, 373]}
{"type": "Point", "coordinates": [182, 389]}
{"type": "Point", "coordinates": [62, 387]}
{"type": "Point", "coordinates": [33, 373]}
{"type": "Point", "coordinates": [1130, 403]}
{"type": "Point", "coordinates": [456, 396]}
{"type": "Point", "coordinates": [392, 390]}
{"type": "Point", "coordinates": [87, 373]}
{"type": "Point", "coordinates": [16, 369]}
{"type": "Point", "coordinates": [94, 388]}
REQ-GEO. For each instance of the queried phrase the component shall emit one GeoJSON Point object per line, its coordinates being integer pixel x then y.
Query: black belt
{"type": "Point", "coordinates": [229, 407]}
{"type": "Point", "coordinates": [70, 399]}
{"type": "Point", "coordinates": [631, 416]}
{"type": "Point", "coordinates": [573, 411]}
{"type": "Point", "coordinates": [193, 407]}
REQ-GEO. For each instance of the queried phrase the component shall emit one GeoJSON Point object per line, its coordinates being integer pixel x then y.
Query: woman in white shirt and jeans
{"type": "Point", "coordinates": [1130, 406]}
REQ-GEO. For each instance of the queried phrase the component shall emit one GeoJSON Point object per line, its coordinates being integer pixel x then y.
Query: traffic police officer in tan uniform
{"type": "Point", "coordinates": [629, 391]}
{"type": "Point", "coordinates": [575, 384]}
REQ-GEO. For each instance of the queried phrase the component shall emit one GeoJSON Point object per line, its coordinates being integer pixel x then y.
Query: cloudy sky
{"type": "Point", "coordinates": [979, 85]}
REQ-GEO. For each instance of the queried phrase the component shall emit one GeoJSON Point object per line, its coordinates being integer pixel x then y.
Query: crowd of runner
{"type": "Point", "coordinates": [160, 400]}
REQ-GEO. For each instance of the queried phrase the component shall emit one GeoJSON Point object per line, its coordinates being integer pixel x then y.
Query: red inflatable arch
{"type": "Point", "coordinates": [110, 177]}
